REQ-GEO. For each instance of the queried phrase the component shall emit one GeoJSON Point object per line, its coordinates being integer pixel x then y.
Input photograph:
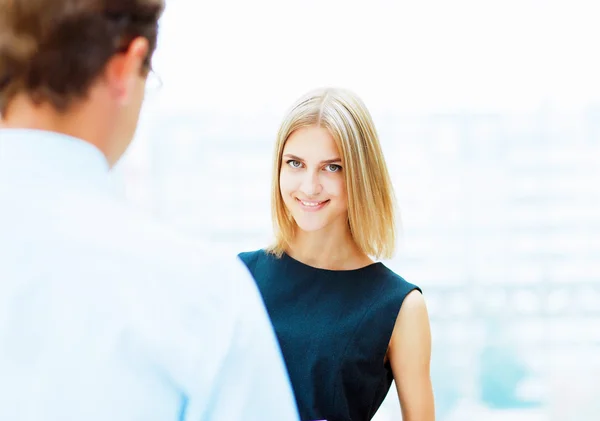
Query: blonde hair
{"type": "Point", "coordinates": [371, 200]}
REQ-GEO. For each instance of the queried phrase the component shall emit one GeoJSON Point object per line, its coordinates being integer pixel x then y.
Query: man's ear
{"type": "Point", "coordinates": [124, 69]}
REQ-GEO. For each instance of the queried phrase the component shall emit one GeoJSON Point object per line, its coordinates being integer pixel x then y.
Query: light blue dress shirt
{"type": "Point", "coordinates": [107, 315]}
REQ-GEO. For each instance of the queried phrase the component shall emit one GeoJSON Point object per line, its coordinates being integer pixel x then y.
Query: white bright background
{"type": "Point", "coordinates": [489, 115]}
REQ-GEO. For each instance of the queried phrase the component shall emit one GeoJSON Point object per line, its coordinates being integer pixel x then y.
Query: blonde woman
{"type": "Point", "coordinates": [347, 325]}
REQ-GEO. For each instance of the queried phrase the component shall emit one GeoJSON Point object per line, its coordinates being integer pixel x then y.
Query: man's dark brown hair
{"type": "Point", "coordinates": [53, 50]}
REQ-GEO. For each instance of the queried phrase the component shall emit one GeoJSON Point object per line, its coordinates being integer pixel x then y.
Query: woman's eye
{"type": "Point", "coordinates": [294, 164]}
{"type": "Point", "coordinates": [333, 168]}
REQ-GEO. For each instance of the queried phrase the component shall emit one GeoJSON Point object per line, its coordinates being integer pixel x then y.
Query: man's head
{"type": "Point", "coordinates": [77, 66]}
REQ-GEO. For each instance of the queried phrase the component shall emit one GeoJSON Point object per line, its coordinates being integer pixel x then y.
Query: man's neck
{"type": "Point", "coordinates": [76, 122]}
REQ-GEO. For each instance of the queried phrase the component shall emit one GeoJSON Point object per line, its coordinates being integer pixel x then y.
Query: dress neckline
{"type": "Point", "coordinates": [305, 266]}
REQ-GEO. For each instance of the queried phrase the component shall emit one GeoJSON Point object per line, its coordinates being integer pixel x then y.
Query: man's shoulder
{"type": "Point", "coordinates": [169, 250]}
{"type": "Point", "coordinates": [150, 251]}
{"type": "Point", "coordinates": [144, 237]}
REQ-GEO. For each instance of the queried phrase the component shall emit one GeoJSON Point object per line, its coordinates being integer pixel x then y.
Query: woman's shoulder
{"type": "Point", "coordinates": [392, 283]}
{"type": "Point", "coordinates": [255, 258]}
{"type": "Point", "coordinates": [250, 258]}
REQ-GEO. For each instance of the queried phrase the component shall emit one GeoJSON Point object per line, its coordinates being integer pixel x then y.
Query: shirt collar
{"type": "Point", "coordinates": [44, 155]}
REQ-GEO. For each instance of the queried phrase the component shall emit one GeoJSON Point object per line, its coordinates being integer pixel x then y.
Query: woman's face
{"type": "Point", "coordinates": [311, 180]}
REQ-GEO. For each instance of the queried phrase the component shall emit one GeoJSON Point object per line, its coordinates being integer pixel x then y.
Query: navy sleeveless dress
{"type": "Point", "coordinates": [333, 328]}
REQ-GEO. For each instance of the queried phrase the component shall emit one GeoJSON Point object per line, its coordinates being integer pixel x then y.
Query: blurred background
{"type": "Point", "coordinates": [489, 116]}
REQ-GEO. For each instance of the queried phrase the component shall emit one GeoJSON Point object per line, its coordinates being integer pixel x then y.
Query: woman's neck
{"type": "Point", "coordinates": [327, 250]}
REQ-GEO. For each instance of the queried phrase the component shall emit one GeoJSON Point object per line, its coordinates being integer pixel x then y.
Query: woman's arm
{"type": "Point", "coordinates": [409, 354]}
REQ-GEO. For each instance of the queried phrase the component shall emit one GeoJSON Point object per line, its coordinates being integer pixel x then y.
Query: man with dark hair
{"type": "Point", "coordinates": [104, 314]}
